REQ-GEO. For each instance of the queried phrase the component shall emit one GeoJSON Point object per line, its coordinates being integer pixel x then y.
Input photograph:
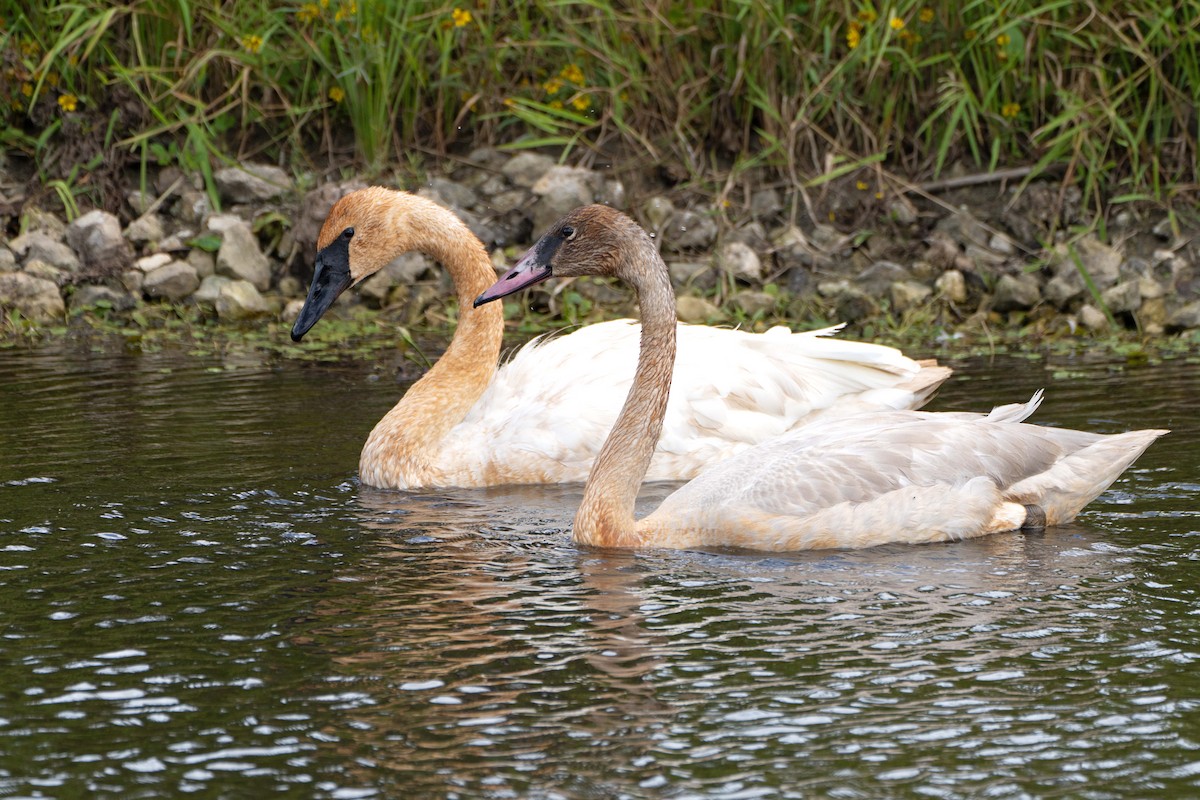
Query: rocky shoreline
{"type": "Point", "coordinates": [969, 259]}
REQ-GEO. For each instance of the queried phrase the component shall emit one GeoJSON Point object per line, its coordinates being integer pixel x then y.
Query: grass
{"type": "Point", "coordinates": [721, 95]}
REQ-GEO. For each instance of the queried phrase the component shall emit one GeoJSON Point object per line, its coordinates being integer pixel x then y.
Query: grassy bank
{"type": "Point", "coordinates": [1100, 94]}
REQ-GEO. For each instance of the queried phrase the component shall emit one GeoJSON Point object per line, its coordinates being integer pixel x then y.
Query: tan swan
{"type": "Point", "coordinates": [542, 417]}
{"type": "Point", "coordinates": [849, 481]}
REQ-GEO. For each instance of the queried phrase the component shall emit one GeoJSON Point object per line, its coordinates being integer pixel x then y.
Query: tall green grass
{"type": "Point", "coordinates": [1101, 91]}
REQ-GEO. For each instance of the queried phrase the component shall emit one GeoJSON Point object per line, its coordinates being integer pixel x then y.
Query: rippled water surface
{"type": "Point", "coordinates": [199, 600]}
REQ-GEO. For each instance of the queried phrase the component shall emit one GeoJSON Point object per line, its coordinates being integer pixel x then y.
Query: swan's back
{"type": "Point", "coordinates": [548, 410]}
{"type": "Point", "coordinates": [896, 477]}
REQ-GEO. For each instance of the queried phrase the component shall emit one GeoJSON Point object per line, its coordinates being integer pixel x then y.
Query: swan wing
{"type": "Point", "coordinates": [895, 477]}
{"type": "Point", "coordinates": [548, 410]}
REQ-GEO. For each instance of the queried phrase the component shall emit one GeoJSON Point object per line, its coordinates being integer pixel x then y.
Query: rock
{"type": "Point", "coordinates": [737, 260]}
{"type": "Point", "coordinates": [1153, 314]}
{"type": "Point", "coordinates": [525, 169]}
{"type": "Point", "coordinates": [688, 230]}
{"type": "Point", "coordinates": [493, 185]}
{"type": "Point", "coordinates": [290, 286]}
{"type": "Point", "coordinates": [139, 201]}
{"type": "Point", "coordinates": [252, 183]}
{"type": "Point", "coordinates": [132, 280]}
{"type": "Point", "coordinates": [1101, 262]}
{"type": "Point", "coordinates": [150, 263]}
{"type": "Point", "coordinates": [219, 223]}
{"type": "Point", "coordinates": [1123, 297]}
{"type": "Point", "coordinates": [451, 194]}
{"type": "Point", "coordinates": [560, 189]}
{"type": "Point", "coordinates": [1001, 244]}
{"type": "Point", "coordinates": [656, 212]}
{"type": "Point", "coordinates": [40, 246]}
{"type": "Point", "coordinates": [90, 296]}
{"type": "Point", "coordinates": [293, 309]}
{"type": "Point", "coordinates": [1185, 318]}
{"type": "Point", "coordinates": [1150, 289]}
{"type": "Point", "coordinates": [146, 229]}
{"type": "Point", "coordinates": [1016, 293]}
{"type": "Point", "coordinates": [952, 286]}
{"type": "Point", "coordinates": [765, 203]}
{"type": "Point", "coordinates": [97, 239]}
{"type": "Point", "coordinates": [751, 303]}
{"type": "Point", "coordinates": [876, 279]}
{"type": "Point", "coordinates": [8, 260]}
{"type": "Point", "coordinates": [510, 200]}
{"type": "Point", "coordinates": [902, 211]}
{"type": "Point", "coordinates": [692, 274]}
{"type": "Point", "coordinates": [906, 295]}
{"type": "Point", "coordinates": [963, 229]}
{"type": "Point", "coordinates": [40, 269]}
{"type": "Point", "coordinates": [1093, 319]}
{"type": "Point", "coordinates": [239, 300]}
{"type": "Point", "coordinates": [753, 235]}
{"type": "Point", "coordinates": [610, 192]}
{"type": "Point", "coordinates": [697, 310]}
{"type": "Point", "coordinates": [204, 262]}
{"type": "Point", "coordinates": [193, 207]}
{"type": "Point", "coordinates": [850, 303]}
{"type": "Point", "coordinates": [241, 259]}
{"type": "Point", "coordinates": [36, 299]}
{"type": "Point", "coordinates": [173, 281]}
{"type": "Point", "coordinates": [1062, 290]}
{"type": "Point", "coordinates": [35, 219]}
{"type": "Point", "coordinates": [210, 289]}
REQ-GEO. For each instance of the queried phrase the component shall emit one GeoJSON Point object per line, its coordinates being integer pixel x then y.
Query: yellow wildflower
{"type": "Point", "coordinates": [861, 186]}
{"type": "Point", "coordinates": [73, 60]}
{"type": "Point", "coordinates": [27, 89]}
{"type": "Point", "coordinates": [346, 11]}
{"type": "Point", "coordinates": [337, 94]}
{"type": "Point", "coordinates": [572, 74]}
{"type": "Point", "coordinates": [30, 48]}
{"type": "Point", "coordinates": [1010, 110]}
{"type": "Point", "coordinates": [896, 23]}
{"type": "Point", "coordinates": [508, 101]}
{"type": "Point", "coordinates": [52, 79]}
{"type": "Point", "coordinates": [461, 16]}
{"type": "Point", "coordinates": [853, 37]}
{"type": "Point", "coordinates": [308, 13]}
{"type": "Point", "coordinates": [556, 104]}
{"type": "Point", "coordinates": [553, 86]}
{"type": "Point", "coordinates": [1002, 40]}
{"type": "Point", "coordinates": [926, 15]}
{"type": "Point", "coordinates": [581, 103]}
{"type": "Point", "coordinates": [1002, 55]}
{"type": "Point", "coordinates": [867, 15]}
{"type": "Point", "coordinates": [969, 34]}
{"type": "Point", "coordinates": [67, 102]}
{"type": "Point", "coordinates": [253, 43]}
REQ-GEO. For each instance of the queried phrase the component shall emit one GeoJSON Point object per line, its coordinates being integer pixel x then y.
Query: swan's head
{"type": "Point", "coordinates": [364, 231]}
{"type": "Point", "coordinates": [592, 240]}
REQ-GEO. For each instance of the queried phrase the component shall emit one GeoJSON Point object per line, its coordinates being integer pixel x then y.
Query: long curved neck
{"type": "Point", "coordinates": [605, 516]}
{"type": "Point", "coordinates": [404, 444]}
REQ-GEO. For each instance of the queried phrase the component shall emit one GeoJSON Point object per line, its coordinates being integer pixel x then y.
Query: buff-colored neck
{"type": "Point", "coordinates": [605, 516]}
{"type": "Point", "coordinates": [404, 444]}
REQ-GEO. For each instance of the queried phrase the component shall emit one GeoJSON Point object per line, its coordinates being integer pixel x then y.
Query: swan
{"type": "Point", "coordinates": [850, 481]}
{"type": "Point", "coordinates": [542, 417]}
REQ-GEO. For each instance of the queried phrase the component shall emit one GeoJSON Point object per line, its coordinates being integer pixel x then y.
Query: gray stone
{"type": "Point", "coordinates": [290, 286]}
{"type": "Point", "coordinates": [41, 269]}
{"type": "Point", "coordinates": [252, 183]}
{"type": "Point", "coordinates": [688, 230]}
{"type": "Point", "coordinates": [1001, 244]}
{"type": "Point", "coordinates": [692, 274]}
{"type": "Point", "coordinates": [193, 207]}
{"type": "Point", "coordinates": [204, 262]}
{"type": "Point", "coordinates": [765, 203]}
{"type": "Point", "coordinates": [963, 228]}
{"type": "Point", "coordinates": [906, 295]}
{"type": "Point", "coordinates": [8, 261]}
{"type": "Point", "coordinates": [751, 303]}
{"type": "Point", "coordinates": [510, 200]}
{"type": "Point", "coordinates": [610, 192]}
{"type": "Point", "coordinates": [219, 223]}
{"type": "Point", "coordinates": [1101, 262]}
{"type": "Point", "coordinates": [90, 296]}
{"type": "Point", "coordinates": [173, 282]}
{"type": "Point", "coordinates": [241, 259]}
{"type": "Point", "coordinates": [152, 262]}
{"type": "Point", "coordinates": [293, 309]}
{"type": "Point", "coordinates": [737, 260]}
{"type": "Point", "coordinates": [132, 280]}
{"type": "Point", "coordinates": [139, 201]}
{"type": "Point", "coordinates": [1150, 289]}
{"type": "Point", "coordinates": [35, 219]}
{"type": "Point", "coordinates": [560, 189]}
{"type": "Point", "coordinates": [1187, 317]}
{"type": "Point", "coordinates": [41, 246]}
{"type": "Point", "coordinates": [877, 278]}
{"type": "Point", "coordinates": [525, 169]}
{"type": "Point", "coordinates": [1123, 297]}
{"type": "Point", "coordinates": [697, 310]}
{"type": "Point", "coordinates": [1016, 293]}
{"type": "Point", "coordinates": [1093, 319]}
{"type": "Point", "coordinates": [492, 186]}
{"type": "Point", "coordinates": [239, 300]}
{"type": "Point", "coordinates": [828, 238]}
{"type": "Point", "coordinates": [210, 289]}
{"type": "Point", "coordinates": [146, 229]}
{"type": "Point", "coordinates": [1062, 290]}
{"type": "Point", "coordinates": [952, 286]}
{"type": "Point", "coordinates": [36, 299]}
{"type": "Point", "coordinates": [657, 211]}
{"type": "Point", "coordinates": [452, 194]}
{"type": "Point", "coordinates": [97, 239]}
{"type": "Point", "coordinates": [850, 303]}
{"type": "Point", "coordinates": [902, 211]}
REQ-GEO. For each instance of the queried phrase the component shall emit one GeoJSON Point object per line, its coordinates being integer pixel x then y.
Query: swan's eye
{"type": "Point", "coordinates": [568, 232]}
{"type": "Point", "coordinates": [348, 234]}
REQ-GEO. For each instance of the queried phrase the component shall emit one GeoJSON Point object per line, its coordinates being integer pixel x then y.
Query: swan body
{"type": "Point", "coordinates": [543, 416]}
{"type": "Point", "coordinates": [853, 480]}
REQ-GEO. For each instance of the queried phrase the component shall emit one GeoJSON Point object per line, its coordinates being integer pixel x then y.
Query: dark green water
{"type": "Point", "coordinates": [199, 600]}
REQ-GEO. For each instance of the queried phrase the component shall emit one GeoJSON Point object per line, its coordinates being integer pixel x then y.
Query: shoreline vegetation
{"type": "Point", "coordinates": [1008, 175]}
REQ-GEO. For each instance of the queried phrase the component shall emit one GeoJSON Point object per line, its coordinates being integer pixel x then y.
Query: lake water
{"type": "Point", "coordinates": [199, 600]}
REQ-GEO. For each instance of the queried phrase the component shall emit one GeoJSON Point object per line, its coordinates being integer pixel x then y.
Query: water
{"type": "Point", "coordinates": [199, 600]}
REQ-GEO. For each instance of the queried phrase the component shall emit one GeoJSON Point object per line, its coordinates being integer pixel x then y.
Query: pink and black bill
{"type": "Point", "coordinates": [331, 277]}
{"type": "Point", "coordinates": [534, 267]}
